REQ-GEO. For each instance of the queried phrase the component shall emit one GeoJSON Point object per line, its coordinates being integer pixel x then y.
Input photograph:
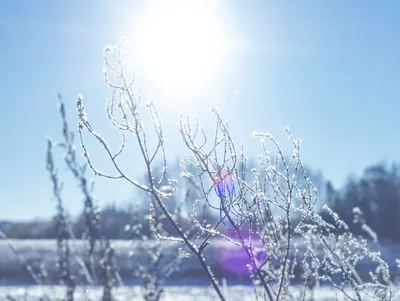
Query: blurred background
{"type": "Point", "coordinates": [329, 70]}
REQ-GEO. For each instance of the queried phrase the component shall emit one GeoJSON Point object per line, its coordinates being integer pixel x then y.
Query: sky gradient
{"type": "Point", "coordinates": [329, 70]}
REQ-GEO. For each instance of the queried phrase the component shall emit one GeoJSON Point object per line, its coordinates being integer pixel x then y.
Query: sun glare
{"type": "Point", "coordinates": [180, 43]}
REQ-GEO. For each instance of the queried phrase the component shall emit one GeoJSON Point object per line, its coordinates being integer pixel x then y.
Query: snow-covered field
{"type": "Point", "coordinates": [225, 259]}
{"type": "Point", "coordinates": [184, 293]}
{"type": "Point", "coordinates": [172, 293]}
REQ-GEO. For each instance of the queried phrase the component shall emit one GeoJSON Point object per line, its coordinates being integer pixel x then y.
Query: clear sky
{"type": "Point", "coordinates": [328, 69]}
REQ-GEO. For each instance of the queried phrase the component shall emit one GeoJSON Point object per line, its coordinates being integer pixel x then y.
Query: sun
{"type": "Point", "coordinates": [180, 43]}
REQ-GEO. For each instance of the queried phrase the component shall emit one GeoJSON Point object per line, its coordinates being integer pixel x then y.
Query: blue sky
{"type": "Point", "coordinates": [328, 69]}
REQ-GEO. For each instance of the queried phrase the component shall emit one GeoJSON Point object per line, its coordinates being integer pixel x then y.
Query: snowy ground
{"type": "Point", "coordinates": [225, 259]}
{"type": "Point", "coordinates": [172, 293]}
{"type": "Point", "coordinates": [222, 257]}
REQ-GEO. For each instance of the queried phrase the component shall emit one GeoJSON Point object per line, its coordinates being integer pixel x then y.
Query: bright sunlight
{"type": "Point", "coordinates": [181, 43]}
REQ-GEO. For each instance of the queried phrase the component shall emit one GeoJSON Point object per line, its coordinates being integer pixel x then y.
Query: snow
{"type": "Point", "coordinates": [172, 293]}
{"type": "Point", "coordinates": [222, 256]}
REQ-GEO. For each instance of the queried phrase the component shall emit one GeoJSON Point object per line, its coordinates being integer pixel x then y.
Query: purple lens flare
{"type": "Point", "coordinates": [234, 259]}
{"type": "Point", "coordinates": [223, 185]}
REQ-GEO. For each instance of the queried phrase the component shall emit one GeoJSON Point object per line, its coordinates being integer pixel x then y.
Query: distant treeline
{"type": "Point", "coordinates": [376, 193]}
{"type": "Point", "coordinates": [114, 221]}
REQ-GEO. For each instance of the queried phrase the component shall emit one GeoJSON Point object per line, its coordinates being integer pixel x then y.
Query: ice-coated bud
{"type": "Point", "coordinates": [107, 49]}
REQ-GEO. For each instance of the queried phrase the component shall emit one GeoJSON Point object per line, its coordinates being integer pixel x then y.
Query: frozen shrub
{"type": "Point", "coordinates": [148, 259]}
{"type": "Point", "coordinates": [100, 262]}
{"type": "Point", "coordinates": [257, 207]}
